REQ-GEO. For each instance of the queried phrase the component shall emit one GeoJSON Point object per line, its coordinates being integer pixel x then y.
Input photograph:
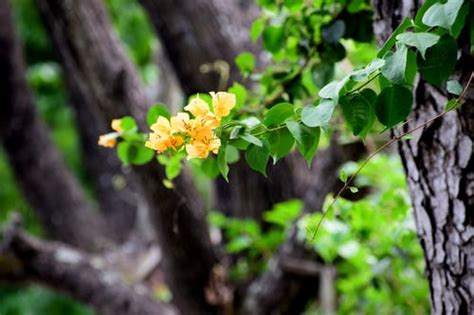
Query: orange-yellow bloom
{"type": "Point", "coordinates": [162, 137]}
{"type": "Point", "coordinates": [222, 102]}
{"type": "Point", "coordinates": [109, 140]}
{"type": "Point", "coordinates": [181, 123]}
{"type": "Point", "coordinates": [201, 148]}
{"type": "Point", "coordinates": [117, 125]}
{"type": "Point", "coordinates": [197, 107]}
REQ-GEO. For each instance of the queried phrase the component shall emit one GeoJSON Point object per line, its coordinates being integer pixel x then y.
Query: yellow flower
{"type": "Point", "coordinates": [162, 137]}
{"type": "Point", "coordinates": [201, 148]}
{"type": "Point", "coordinates": [202, 128]}
{"type": "Point", "coordinates": [109, 140]}
{"type": "Point", "coordinates": [222, 102]}
{"type": "Point", "coordinates": [197, 107]}
{"type": "Point", "coordinates": [117, 125]}
{"type": "Point", "coordinates": [181, 123]}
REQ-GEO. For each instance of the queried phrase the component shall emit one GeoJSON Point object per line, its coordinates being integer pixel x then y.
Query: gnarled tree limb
{"type": "Point", "coordinates": [63, 268]}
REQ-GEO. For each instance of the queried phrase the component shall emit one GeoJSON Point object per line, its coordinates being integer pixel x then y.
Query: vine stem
{"type": "Point", "coordinates": [383, 147]}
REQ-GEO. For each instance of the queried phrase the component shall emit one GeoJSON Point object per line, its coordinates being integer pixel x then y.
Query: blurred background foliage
{"type": "Point", "coordinates": [371, 242]}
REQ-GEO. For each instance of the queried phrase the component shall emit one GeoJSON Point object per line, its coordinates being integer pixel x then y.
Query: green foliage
{"type": "Point", "coordinates": [373, 244]}
{"type": "Point", "coordinates": [393, 105]}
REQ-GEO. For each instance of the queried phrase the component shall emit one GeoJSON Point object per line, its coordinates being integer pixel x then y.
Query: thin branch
{"type": "Point", "coordinates": [386, 145]}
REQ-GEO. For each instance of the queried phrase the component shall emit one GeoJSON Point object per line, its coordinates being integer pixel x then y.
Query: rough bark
{"type": "Point", "coordinates": [81, 29]}
{"type": "Point", "coordinates": [439, 164]}
{"type": "Point", "coordinates": [39, 169]}
{"type": "Point", "coordinates": [281, 289]}
{"type": "Point", "coordinates": [63, 268]}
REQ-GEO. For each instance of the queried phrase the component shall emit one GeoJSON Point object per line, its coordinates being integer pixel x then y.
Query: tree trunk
{"type": "Point", "coordinates": [81, 30]}
{"type": "Point", "coordinates": [83, 277]}
{"type": "Point", "coordinates": [40, 171]}
{"type": "Point", "coordinates": [439, 164]}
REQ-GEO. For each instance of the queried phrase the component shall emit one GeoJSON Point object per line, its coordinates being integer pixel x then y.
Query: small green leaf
{"type": "Point", "coordinates": [421, 41]}
{"type": "Point", "coordinates": [395, 65]}
{"type": "Point", "coordinates": [293, 5]}
{"type": "Point", "coordinates": [251, 123]}
{"type": "Point", "coordinates": [307, 139]}
{"type": "Point", "coordinates": [173, 166]}
{"type": "Point", "coordinates": [257, 158]}
{"type": "Point", "coordinates": [452, 104]}
{"type": "Point", "coordinates": [454, 87]}
{"type": "Point", "coordinates": [232, 154]}
{"type": "Point", "coordinates": [130, 153]}
{"type": "Point", "coordinates": [128, 124]}
{"type": "Point", "coordinates": [209, 167]}
{"type": "Point", "coordinates": [240, 94]}
{"type": "Point", "coordinates": [222, 162]}
{"type": "Point", "coordinates": [361, 75]}
{"type": "Point", "coordinates": [442, 14]}
{"type": "Point", "coordinates": [251, 139]}
{"type": "Point", "coordinates": [393, 105]}
{"type": "Point", "coordinates": [393, 38]}
{"type": "Point", "coordinates": [257, 28]}
{"type": "Point", "coordinates": [246, 62]}
{"type": "Point", "coordinates": [318, 116]}
{"type": "Point", "coordinates": [353, 189]}
{"type": "Point", "coordinates": [278, 114]}
{"type": "Point", "coordinates": [273, 38]}
{"type": "Point", "coordinates": [440, 61]}
{"type": "Point", "coordinates": [343, 176]}
{"type": "Point", "coordinates": [281, 142]}
{"type": "Point", "coordinates": [155, 111]}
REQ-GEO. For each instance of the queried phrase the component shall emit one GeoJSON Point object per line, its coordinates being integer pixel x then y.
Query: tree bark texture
{"type": "Point", "coordinates": [439, 164]}
{"type": "Point", "coordinates": [46, 182]}
{"type": "Point", "coordinates": [63, 268]}
{"type": "Point", "coordinates": [88, 48]}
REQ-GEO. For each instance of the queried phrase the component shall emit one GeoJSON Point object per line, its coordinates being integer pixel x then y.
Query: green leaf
{"type": "Point", "coordinates": [440, 61]}
{"type": "Point", "coordinates": [222, 162]}
{"type": "Point", "coordinates": [395, 65]}
{"type": "Point", "coordinates": [245, 62]}
{"type": "Point", "coordinates": [257, 157]}
{"type": "Point", "coordinates": [240, 94]}
{"type": "Point", "coordinates": [156, 111]}
{"type": "Point", "coordinates": [173, 166]}
{"type": "Point", "coordinates": [278, 114]}
{"type": "Point", "coordinates": [353, 189]}
{"type": "Point", "coordinates": [421, 41]}
{"type": "Point", "coordinates": [257, 28]}
{"type": "Point", "coordinates": [284, 213]}
{"type": "Point", "coordinates": [419, 14]}
{"type": "Point", "coordinates": [318, 116]}
{"type": "Point", "coordinates": [251, 123]}
{"type": "Point", "coordinates": [361, 75]}
{"type": "Point", "coordinates": [442, 14]}
{"type": "Point", "coordinates": [128, 124]}
{"type": "Point", "coordinates": [307, 139]}
{"type": "Point", "coordinates": [452, 104]}
{"type": "Point", "coordinates": [454, 87]}
{"type": "Point", "coordinates": [251, 139]}
{"type": "Point", "coordinates": [332, 90]}
{"type": "Point", "coordinates": [130, 153]}
{"type": "Point", "coordinates": [293, 5]}
{"type": "Point", "coordinates": [273, 38]}
{"type": "Point", "coordinates": [343, 176]}
{"type": "Point", "coordinates": [209, 167]}
{"type": "Point", "coordinates": [358, 110]}
{"type": "Point", "coordinates": [393, 38]}
{"type": "Point", "coordinates": [393, 105]}
{"type": "Point", "coordinates": [232, 154]}
{"type": "Point", "coordinates": [281, 142]}
{"type": "Point", "coordinates": [333, 32]}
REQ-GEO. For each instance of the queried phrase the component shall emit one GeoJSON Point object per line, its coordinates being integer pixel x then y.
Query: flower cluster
{"type": "Point", "coordinates": [110, 140]}
{"type": "Point", "coordinates": [196, 135]}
